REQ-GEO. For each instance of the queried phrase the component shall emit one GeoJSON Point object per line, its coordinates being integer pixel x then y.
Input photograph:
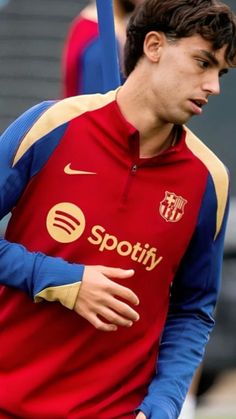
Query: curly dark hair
{"type": "Point", "coordinates": [211, 19]}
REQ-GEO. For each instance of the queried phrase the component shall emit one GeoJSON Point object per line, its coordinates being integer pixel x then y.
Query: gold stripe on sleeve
{"type": "Point", "coordinates": [217, 170]}
{"type": "Point", "coordinates": [61, 112]}
{"type": "Point", "coordinates": [65, 294]}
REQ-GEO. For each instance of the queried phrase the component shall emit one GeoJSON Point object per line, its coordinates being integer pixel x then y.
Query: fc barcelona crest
{"type": "Point", "coordinates": [172, 207]}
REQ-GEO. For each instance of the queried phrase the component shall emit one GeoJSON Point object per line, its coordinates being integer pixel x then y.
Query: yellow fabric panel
{"type": "Point", "coordinates": [60, 113]}
{"type": "Point", "coordinates": [217, 170]}
{"type": "Point", "coordinates": [65, 294]}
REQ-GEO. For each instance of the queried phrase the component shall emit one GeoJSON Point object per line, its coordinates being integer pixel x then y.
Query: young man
{"type": "Point", "coordinates": [82, 62]}
{"type": "Point", "coordinates": [118, 213]}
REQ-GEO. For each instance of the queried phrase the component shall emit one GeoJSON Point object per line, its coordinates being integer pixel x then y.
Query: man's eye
{"type": "Point", "coordinates": [203, 63]}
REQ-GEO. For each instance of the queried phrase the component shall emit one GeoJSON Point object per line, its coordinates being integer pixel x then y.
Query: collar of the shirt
{"type": "Point", "coordinates": [129, 135]}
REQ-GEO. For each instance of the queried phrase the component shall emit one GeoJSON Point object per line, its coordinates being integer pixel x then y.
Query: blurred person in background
{"type": "Point", "coordinates": [82, 62]}
{"type": "Point", "coordinates": [135, 141]}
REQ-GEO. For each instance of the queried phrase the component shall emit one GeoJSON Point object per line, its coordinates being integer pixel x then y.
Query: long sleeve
{"type": "Point", "coordinates": [29, 271]}
{"type": "Point", "coordinates": [190, 319]}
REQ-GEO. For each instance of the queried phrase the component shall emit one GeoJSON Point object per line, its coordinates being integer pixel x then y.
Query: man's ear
{"type": "Point", "coordinates": [153, 44]}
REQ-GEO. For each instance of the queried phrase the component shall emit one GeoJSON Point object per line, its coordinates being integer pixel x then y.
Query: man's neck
{"type": "Point", "coordinates": [155, 135]}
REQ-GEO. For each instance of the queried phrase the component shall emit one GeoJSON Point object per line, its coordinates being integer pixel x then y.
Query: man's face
{"type": "Point", "coordinates": [186, 74]}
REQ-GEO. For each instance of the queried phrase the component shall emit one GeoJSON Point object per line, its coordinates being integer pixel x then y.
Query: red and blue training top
{"type": "Point", "coordinates": [80, 194]}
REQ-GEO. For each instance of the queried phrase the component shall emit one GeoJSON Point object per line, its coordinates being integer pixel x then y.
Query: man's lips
{"type": "Point", "coordinates": [197, 105]}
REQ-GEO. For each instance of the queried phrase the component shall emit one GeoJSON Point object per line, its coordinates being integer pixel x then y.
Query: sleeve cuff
{"type": "Point", "coordinates": [65, 294]}
{"type": "Point", "coordinates": [59, 281]}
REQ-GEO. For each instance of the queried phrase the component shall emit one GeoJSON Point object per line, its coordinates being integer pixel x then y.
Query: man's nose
{"type": "Point", "coordinates": [212, 85]}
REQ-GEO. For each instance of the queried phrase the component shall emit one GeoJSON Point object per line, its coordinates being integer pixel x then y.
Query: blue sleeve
{"type": "Point", "coordinates": [193, 297]}
{"type": "Point", "coordinates": [14, 179]}
{"type": "Point", "coordinates": [29, 271]}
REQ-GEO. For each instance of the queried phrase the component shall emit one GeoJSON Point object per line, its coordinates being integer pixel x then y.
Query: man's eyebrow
{"type": "Point", "coordinates": [210, 56]}
{"type": "Point", "coordinates": [213, 60]}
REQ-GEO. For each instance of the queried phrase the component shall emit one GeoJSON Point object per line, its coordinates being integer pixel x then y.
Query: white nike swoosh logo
{"type": "Point", "coordinates": [69, 171]}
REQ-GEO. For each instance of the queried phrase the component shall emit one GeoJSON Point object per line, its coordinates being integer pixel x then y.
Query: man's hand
{"type": "Point", "coordinates": [141, 415]}
{"type": "Point", "coordinates": [97, 299]}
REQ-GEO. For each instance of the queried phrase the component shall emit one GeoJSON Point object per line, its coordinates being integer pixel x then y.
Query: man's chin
{"type": "Point", "coordinates": [182, 119]}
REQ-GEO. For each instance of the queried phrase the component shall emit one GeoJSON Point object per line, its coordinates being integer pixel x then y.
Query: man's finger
{"type": "Point", "coordinates": [101, 325]}
{"type": "Point", "coordinates": [124, 310]}
{"type": "Point", "coordinates": [125, 293]}
{"type": "Point", "coordinates": [114, 318]}
{"type": "Point", "coordinates": [117, 289]}
{"type": "Point", "coordinates": [116, 272]}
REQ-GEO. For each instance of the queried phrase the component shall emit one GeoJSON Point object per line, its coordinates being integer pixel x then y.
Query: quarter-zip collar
{"type": "Point", "coordinates": [130, 137]}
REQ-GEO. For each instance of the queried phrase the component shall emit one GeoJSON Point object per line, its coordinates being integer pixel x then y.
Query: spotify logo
{"type": "Point", "coordinates": [65, 222]}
